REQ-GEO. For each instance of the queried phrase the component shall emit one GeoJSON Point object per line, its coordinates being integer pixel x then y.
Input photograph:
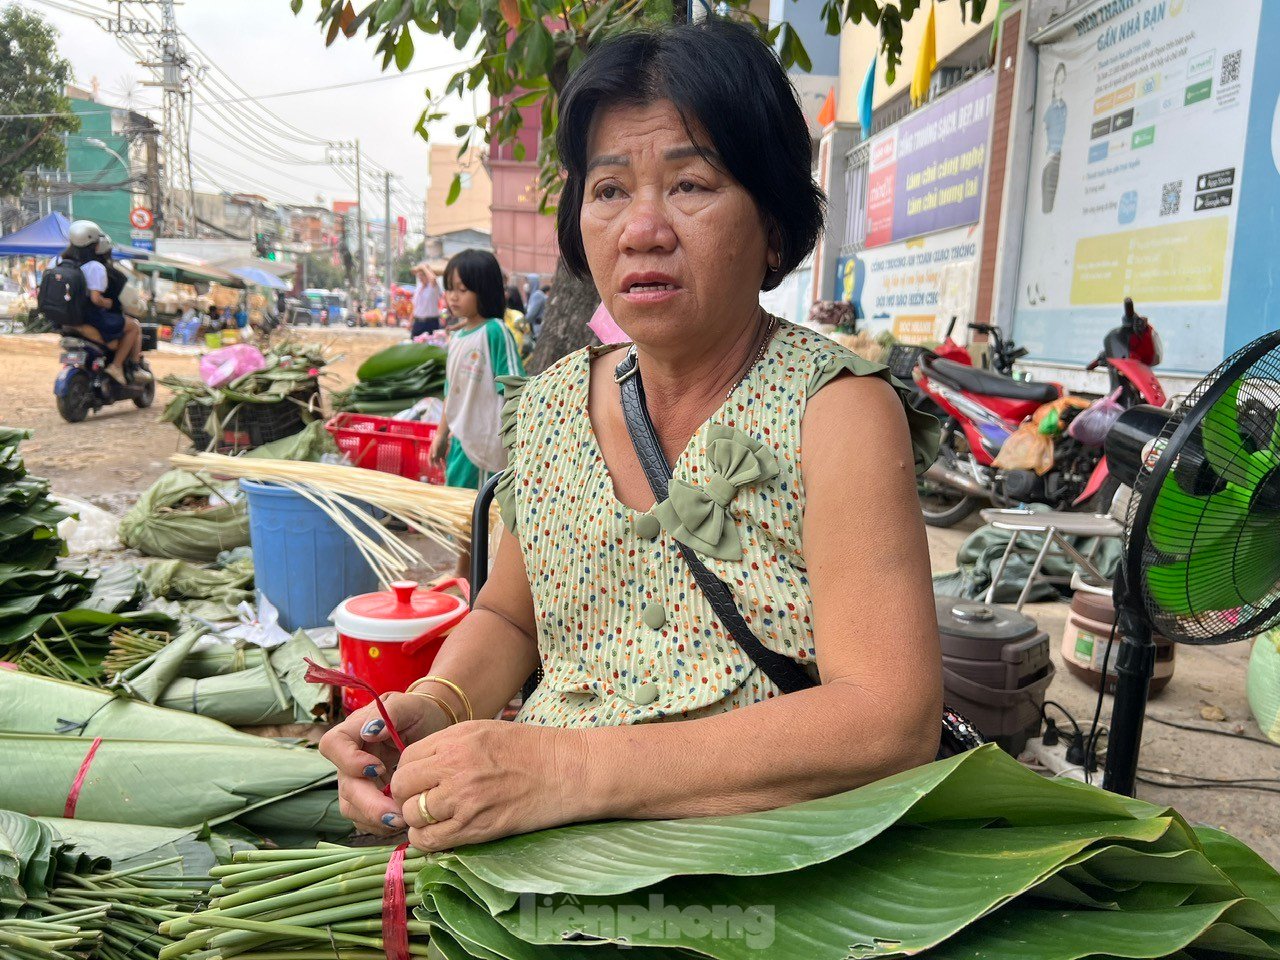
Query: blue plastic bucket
{"type": "Point", "coordinates": [303, 562]}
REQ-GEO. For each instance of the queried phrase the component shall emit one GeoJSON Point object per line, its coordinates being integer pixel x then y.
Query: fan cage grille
{"type": "Point", "coordinates": [1203, 527]}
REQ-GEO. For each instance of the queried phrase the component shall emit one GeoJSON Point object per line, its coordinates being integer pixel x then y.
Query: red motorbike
{"type": "Point", "coordinates": [980, 409]}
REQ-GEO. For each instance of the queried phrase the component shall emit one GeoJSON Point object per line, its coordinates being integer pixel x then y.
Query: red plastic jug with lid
{"type": "Point", "coordinates": [390, 638]}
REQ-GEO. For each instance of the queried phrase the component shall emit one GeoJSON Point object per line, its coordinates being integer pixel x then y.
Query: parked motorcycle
{"type": "Point", "coordinates": [84, 386]}
{"type": "Point", "coordinates": [980, 409]}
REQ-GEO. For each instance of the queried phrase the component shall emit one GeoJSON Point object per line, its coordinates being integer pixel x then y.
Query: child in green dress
{"type": "Point", "coordinates": [481, 349]}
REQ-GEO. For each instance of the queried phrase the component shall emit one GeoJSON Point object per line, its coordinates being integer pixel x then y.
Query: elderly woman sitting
{"type": "Point", "coordinates": [687, 192]}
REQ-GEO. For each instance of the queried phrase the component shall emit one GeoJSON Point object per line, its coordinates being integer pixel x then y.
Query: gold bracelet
{"type": "Point", "coordinates": [466, 703]}
{"type": "Point", "coordinates": [448, 710]}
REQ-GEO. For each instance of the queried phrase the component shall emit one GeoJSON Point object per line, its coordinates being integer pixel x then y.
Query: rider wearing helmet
{"type": "Point", "coordinates": [90, 248]}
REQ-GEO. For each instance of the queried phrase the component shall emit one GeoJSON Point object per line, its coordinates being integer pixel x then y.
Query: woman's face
{"type": "Point", "coordinates": [675, 245]}
{"type": "Point", "coordinates": [462, 302]}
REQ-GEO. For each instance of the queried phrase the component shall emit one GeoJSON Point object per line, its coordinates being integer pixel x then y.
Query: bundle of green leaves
{"type": "Point", "coordinates": [59, 902]}
{"type": "Point", "coordinates": [395, 379]}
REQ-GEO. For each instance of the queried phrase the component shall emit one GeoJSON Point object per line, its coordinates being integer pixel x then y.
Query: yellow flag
{"type": "Point", "coordinates": [926, 61]}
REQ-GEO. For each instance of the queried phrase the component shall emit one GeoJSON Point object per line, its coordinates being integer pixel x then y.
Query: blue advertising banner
{"type": "Point", "coordinates": [926, 173]}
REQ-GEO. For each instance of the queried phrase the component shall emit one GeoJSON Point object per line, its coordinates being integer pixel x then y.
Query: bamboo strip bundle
{"type": "Point", "coordinates": [441, 514]}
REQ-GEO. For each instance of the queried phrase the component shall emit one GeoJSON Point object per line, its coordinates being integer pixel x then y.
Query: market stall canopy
{"type": "Point", "coordinates": [47, 237]}
{"type": "Point", "coordinates": [261, 278]}
{"type": "Point", "coordinates": [183, 269]}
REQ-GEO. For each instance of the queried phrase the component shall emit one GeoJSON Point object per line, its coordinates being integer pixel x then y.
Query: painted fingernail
{"type": "Point", "coordinates": [392, 821]}
{"type": "Point", "coordinates": [372, 771]}
{"type": "Point", "coordinates": [372, 728]}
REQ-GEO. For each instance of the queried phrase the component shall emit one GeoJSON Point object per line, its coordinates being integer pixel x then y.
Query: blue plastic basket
{"type": "Point", "coordinates": [303, 562]}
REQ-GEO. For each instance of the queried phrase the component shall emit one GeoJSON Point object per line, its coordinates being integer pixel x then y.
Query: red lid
{"type": "Point", "coordinates": [404, 601]}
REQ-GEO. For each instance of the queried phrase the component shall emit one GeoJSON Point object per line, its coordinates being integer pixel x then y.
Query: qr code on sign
{"type": "Point", "coordinates": [1171, 198]}
{"type": "Point", "coordinates": [1230, 68]}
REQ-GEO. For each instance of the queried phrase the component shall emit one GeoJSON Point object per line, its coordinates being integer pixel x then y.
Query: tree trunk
{"type": "Point", "coordinates": [564, 320]}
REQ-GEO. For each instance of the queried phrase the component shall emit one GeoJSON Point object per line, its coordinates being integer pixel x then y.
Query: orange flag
{"type": "Point", "coordinates": [827, 115]}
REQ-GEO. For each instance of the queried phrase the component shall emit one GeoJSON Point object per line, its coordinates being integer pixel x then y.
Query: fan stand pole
{"type": "Point", "coordinates": [1135, 665]}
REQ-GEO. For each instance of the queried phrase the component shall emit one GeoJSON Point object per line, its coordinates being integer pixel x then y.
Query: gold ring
{"type": "Point", "coordinates": [422, 808]}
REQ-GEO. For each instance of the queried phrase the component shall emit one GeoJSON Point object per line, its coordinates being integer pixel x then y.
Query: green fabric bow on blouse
{"type": "Point", "coordinates": [698, 515]}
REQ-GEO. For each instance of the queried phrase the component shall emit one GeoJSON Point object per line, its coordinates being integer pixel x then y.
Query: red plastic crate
{"type": "Point", "coordinates": [387, 445]}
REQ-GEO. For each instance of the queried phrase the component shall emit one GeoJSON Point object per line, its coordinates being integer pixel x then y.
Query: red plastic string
{"type": "Point", "coordinates": [395, 911]}
{"type": "Point", "coordinates": [337, 678]}
{"type": "Point", "coordinates": [73, 797]}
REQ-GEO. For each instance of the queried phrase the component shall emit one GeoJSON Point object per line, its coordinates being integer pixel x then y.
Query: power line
{"type": "Point", "coordinates": [340, 86]}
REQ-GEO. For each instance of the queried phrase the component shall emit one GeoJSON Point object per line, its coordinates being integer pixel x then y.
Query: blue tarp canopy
{"type": "Point", "coordinates": [261, 278]}
{"type": "Point", "coordinates": [47, 237]}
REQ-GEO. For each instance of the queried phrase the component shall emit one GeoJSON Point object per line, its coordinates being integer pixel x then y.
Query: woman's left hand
{"type": "Point", "coordinates": [486, 779]}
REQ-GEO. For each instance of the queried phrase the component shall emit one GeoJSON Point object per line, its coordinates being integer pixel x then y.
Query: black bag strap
{"type": "Point", "coordinates": [785, 673]}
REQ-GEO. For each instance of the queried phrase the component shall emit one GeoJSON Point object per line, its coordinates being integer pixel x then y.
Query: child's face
{"type": "Point", "coordinates": [462, 302]}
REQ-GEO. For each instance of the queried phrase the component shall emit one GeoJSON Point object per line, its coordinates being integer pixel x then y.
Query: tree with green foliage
{"type": "Point", "coordinates": [322, 272]}
{"type": "Point", "coordinates": [33, 79]}
{"type": "Point", "coordinates": [526, 51]}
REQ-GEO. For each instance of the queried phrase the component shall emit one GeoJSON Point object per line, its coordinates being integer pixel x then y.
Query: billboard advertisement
{"type": "Point", "coordinates": [926, 173]}
{"type": "Point", "coordinates": [1141, 113]}
{"type": "Point", "coordinates": [912, 289]}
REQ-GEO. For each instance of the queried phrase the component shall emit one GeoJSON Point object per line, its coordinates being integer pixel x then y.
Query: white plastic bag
{"type": "Point", "coordinates": [259, 627]}
{"type": "Point", "coordinates": [92, 530]}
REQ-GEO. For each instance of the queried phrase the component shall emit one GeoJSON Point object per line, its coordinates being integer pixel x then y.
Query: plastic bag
{"type": "Point", "coordinates": [1091, 426]}
{"type": "Point", "coordinates": [1027, 449]}
{"type": "Point", "coordinates": [90, 530]}
{"type": "Point", "coordinates": [1263, 683]}
{"type": "Point", "coordinates": [226, 364]}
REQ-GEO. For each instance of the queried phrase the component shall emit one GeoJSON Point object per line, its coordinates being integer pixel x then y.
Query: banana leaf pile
{"type": "Point", "coordinates": [395, 379]}
{"type": "Point", "coordinates": [28, 516]}
{"type": "Point", "coordinates": [69, 636]}
{"type": "Point", "coordinates": [58, 902]}
{"type": "Point", "coordinates": [971, 857]}
{"type": "Point", "coordinates": [155, 766]}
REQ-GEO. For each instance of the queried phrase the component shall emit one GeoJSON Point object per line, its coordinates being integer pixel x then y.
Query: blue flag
{"type": "Point", "coordinates": [865, 97]}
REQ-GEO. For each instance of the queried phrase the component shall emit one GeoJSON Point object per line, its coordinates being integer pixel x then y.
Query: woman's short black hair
{"type": "Point", "coordinates": [723, 77]}
{"type": "Point", "coordinates": [480, 273]}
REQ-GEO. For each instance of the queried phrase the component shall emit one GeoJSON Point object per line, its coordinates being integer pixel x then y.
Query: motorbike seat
{"type": "Point", "coordinates": [987, 382]}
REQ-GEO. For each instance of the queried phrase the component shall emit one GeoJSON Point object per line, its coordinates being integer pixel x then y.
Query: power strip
{"type": "Point", "coordinates": [1053, 758]}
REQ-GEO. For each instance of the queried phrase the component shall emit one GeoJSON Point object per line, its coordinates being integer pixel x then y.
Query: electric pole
{"type": "Point", "coordinates": [364, 271]}
{"type": "Point", "coordinates": [390, 264]}
{"type": "Point", "coordinates": [169, 61]}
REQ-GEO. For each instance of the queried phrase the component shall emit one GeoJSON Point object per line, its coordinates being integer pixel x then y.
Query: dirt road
{"type": "Point", "coordinates": [119, 451]}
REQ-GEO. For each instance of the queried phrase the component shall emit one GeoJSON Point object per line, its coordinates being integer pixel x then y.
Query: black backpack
{"type": "Point", "coordinates": [63, 296]}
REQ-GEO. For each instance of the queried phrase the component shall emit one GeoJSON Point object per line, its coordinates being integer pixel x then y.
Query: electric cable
{"type": "Point", "coordinates": [1218, 733]}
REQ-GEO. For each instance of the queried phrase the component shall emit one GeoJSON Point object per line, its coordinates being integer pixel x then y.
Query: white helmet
{"type": "Point", "coordinates": [84, 233]}
{"type": "Point", "coordinates": [104, 244]}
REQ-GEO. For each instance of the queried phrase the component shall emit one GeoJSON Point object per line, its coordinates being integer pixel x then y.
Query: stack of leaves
{"type": "Point", "coordinates": [69, 633]}
{"type": "Point", "coordinates": [155, 766]}
{"type": "Point", "coordinates": [60, 903]}
{"type": "Point", "coordinates": [31, 590]}
{"type": "Point", "coordinates": [274, 691]}
{"type": "Point", "coordinates": [974, 856]}
{"type": "Point", "coordinates": [395, 379]}
{"type": "Point", "coordinates": [971, 857]}
{"type": "Point", "coordinates": [291, 375]}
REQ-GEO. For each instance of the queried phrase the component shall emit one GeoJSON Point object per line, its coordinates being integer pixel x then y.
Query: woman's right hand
{"type": "Point", "coordinates": [365, 756]}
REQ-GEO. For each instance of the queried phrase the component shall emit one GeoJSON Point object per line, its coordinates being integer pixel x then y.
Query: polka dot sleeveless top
{"type": "Point", "coordinates": [624, 633]}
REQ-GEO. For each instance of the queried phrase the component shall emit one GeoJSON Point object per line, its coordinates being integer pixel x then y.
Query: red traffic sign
{"type": "Point", "coordinates": [141, 218]}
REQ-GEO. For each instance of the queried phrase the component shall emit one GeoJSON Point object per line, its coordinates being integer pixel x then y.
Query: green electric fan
{"type": "Point", "coordinates": [1202, 542]}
